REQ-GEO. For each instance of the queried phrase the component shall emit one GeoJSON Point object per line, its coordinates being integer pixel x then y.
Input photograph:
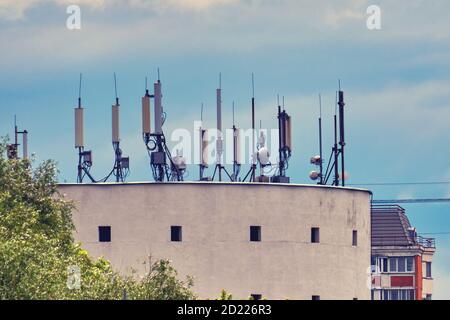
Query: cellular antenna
{"type": "Point", "coordinates": [219, 142]}
{"type": "Point", "coordinates": [252, 172]}
{"type": "Point", "coordinates": [122, 164]}
{"type": "Point", "coordinates": [285, 145]}
{"type": "Point", "coordinates": [155, 142]}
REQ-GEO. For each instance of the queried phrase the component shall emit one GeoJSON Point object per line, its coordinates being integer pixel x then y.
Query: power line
{"type": "Point", "coordinates": [442, 200]}
{"type": "Point", "coordinates": [400, 183]}
{"type": "Point", "coordinates": [435, 233]}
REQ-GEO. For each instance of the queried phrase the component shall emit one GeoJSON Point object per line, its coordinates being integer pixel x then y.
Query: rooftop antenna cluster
{"type": "Point", "coordinates": [121, 164]}
{"type": "Point", "coordinates": [338, 150]}
{"type": "Point", "coordinates": [13, 149]}
{"type": "Point", "coordinates": [163, 166]}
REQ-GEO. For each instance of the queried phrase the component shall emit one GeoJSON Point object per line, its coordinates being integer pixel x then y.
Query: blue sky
{"type": "Point", "coordinates": [396, 79]}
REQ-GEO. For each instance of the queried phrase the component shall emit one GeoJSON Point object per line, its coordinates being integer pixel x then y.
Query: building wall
{"type": "Point", "coordinates": [216, 250]}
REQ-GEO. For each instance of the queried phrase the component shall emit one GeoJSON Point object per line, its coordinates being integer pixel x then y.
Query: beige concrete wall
{"type": "Point", "coordinates": [216, 250]}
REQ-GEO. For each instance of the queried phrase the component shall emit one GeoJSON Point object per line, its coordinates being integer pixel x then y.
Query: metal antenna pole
{"type": "Point", "coordinates": [79, 91]}
{"type": "Point", "coordinates": [342, 133]}
{"type": "Point", "coordinates": [320, 139]}
{"type": "Point", "coordinates": [252, 171]}
{"type": "Point", "coordinates": [335, 149]}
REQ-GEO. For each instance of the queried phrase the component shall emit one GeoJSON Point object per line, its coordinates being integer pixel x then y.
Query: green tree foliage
{"type": "Point", "coordinates": [37, 249]}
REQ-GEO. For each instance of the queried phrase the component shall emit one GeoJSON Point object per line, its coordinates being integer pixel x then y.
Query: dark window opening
{"type": "Point", "coordinates": [176, 234]}
{"type": "Point", "coordinates": [256, 296]}
{"type": "Point", "coordinates": [428, 269]}
{"type": "Point", "coordinates": [315, 236]}
{"type": "Point", "coordinates": [104, 233]}
{"type": "Point", "coordinates": [355, 238]}
{"type": "Point", "coordinates": [255, 233]}
{"type": "Point", "coordinates": [315, 298]}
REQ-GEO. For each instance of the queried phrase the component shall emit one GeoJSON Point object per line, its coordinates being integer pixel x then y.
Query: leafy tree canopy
{"type": "Point", "coordinates": [38, 251]}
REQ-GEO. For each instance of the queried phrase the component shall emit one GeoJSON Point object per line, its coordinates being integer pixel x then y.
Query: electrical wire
{"type": "Point", "coordinates": [400, 183]}
{"type": "Point", "coordinates": [437, 200]}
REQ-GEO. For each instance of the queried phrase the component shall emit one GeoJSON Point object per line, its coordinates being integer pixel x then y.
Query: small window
{"type": "Point", "coordinates": [356, 299]}
{"type": "Point", "coordinates": [429, 297]}
{"type": "Point", "coordinates": [256, 296]}
{"type": "Point", "coordinates": [104, 234]}
{"type": "Point", "coordinates": [176, 234]}
{"type": "Point", "coordinates": [393, 265]}
{"type": "Point", "coordinates": [384, 263]}
{"type": "Point", "coordinates": [401, 264]}
{"type": "Point", "coordinates": [410, 264]}
{"type": "Point", "coordinates": [255, 233]}
{"type": "Point", "coordinates": [355, 238]}
{"type": "Point", "coordinates": [315, 236]}
{"type": "Point", "coordinates": [315, 298]}
{"type": "Point", "coordinates": [428, 269]}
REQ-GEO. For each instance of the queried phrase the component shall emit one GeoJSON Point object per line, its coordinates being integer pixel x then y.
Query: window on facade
{"type": "Point", "coordinates": [393, 265]}
{"type": "Point", "coordinates": [256, 296]}
{"type": "Point", "coordinates": [176, 234]}
{"type": "Point", "coordinates": [398, 294]}
{"type": "Point", "coordinates": [315, 298]}
{"type": "Point", "coordinates": [384, 265]}
{"type": "Point", "coordinates": [398, 264]}
{"type": "Point", "coordinates": [401, 267]}
{"type": "Point", "coordinates": [409, 264]}
{"type": "Point", "coordinates": [255, 233]}
{"type": "Point", "coordinates": [428, 269]}
{"type": "Point", "coordinates": [355, 238]}
{"type": "Point", "coordinates": [104, 233]}
{"type": "Point", "coordinates": [315, 235]}
{"type": "Point", "coordinates": [429, 297]}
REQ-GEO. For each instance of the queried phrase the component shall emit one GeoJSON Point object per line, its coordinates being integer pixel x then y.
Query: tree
{"type": "Point", "coordinates": [38, 251]}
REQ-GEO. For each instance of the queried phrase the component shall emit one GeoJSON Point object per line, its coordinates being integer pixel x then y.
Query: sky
{"type": "Point", "coordinates": [396, 81]}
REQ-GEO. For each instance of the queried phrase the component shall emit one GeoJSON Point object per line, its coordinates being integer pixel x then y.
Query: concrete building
{"type": "Point", "coordinates": [402, 259]}
{"type": "Point", "coordinates": [274, 241]}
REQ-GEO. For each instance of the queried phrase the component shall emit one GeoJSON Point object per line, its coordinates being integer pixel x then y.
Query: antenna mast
{"type": "Point", "coordinates": [156, 142]}
{"type": "Point", "coordinates": [236, 151]}
{"type": "Point", "coordinates": [203, 134]}
{"type": "Point", "coordinates": [285, 145]}
{"type": "Point", "coordinates": [122, 164]}
{"type": "Point", "coordinates": [252, 172]}
{"type": "Point", "coordinates": [13, 149]}
{"type": "Point", "coordinates": [219, 142]}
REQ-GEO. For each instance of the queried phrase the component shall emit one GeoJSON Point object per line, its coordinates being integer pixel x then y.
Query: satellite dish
{"type": "Point", "coordinates": [316, 160]}
{"type": "Point", "coordinates": [179, 162]}
{"type": "Point", "coordinates": [263, 156]}
{"type": "Point", "coordinates": [314, 175]}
